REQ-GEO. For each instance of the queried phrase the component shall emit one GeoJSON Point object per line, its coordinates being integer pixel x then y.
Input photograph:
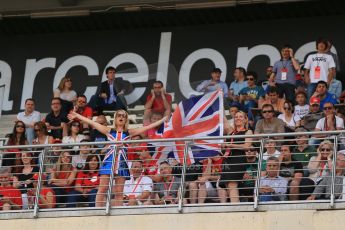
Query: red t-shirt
{"type": "Point", "coordinates": [87, 112]}
{"type": "Point", "coordinates": [216, 166]}
{"type": "Point", "coordinates": [150, 168]}
{"type": "Point", "coordinates": [64, 175]}
{"type": "Point", "coordinates": [43, 193]}
{"type": "Point", "coordinates": [87, 180]}
{"type": "Point", "coordinates": [158, 105]}
{"type": "Point", "coordinates": [12, 194]}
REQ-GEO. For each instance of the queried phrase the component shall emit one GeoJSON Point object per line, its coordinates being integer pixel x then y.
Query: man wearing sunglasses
{"type": "Point", "coordinates": [250, 95]}
{"type": "Point", "coordinates": [269, 124]}
{"type": "Point", "coordinates": [330, 121]}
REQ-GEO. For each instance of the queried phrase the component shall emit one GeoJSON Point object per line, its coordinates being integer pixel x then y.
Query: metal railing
{"type": "Point", "coordinates": [238, 178]}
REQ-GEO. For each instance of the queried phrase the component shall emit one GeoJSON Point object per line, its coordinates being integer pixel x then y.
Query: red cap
{"type": "Point", "coordinates": [315, 100]}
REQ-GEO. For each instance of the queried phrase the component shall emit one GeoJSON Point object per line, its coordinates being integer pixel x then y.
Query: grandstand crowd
{"type": "Point", "coordinates": [293, 98]}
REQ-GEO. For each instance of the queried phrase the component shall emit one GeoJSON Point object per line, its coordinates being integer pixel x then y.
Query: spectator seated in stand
{"type": "Point", "coordinates": [237, 85]}
{"type": "Point", "coordinates": [83, 109]}
{"type": "Point", "coordinates": [291, 169]}
{"type": "Point", "coordinates": [328, 123]}
{"type": "Point", "coordinates": [86, 184]}
{"type": "Point", "coordinates": [167, 191]}
{"type": "Point", "coordinates": [233, 109]}
{"type": "Point", "coordinates": [12, 156]}
{"type": "Point", "coordinates": [321, 92]}
{"type": "Point", "coordinates": [62, 178]}
{"type": "Point", "coordinates": [29, 116]}
{"type": "Point", "coordinates": [272, 186]}
{"type": "Point", "coordinates": [111, 93]}
{"type": "Point", "coordinates": [250, 95]}
{"type": "Point", "coordinates": [46, 198]}
{"type": "Point", "coordinates": [158, 101]}
{"type": "Point", "coordinates": [74, 135]}
{"type": "Point", "coordinates": [137, 190]}
{"type": "Point", "coordinates": [10, 197]}
{"type": "Point", "coordinates": [289, 118]}
{"type": "Point", "coordinates": [56, 120]}
{"type": "Point", "coordinates": [319, 167]}
{"type": "Point", "coordinates": [302, 151]}
{"type": "Point", "coordinates": [302, 108]}
{"type": "Point", "coordinates": [79, 161]}
{"type": "Point", "coordinates": [310, 120]}
{"type": "Point", "coordinates": [247, 185]}
{"type": "Point", "coordinates": [208, 181]}
{"type": "Point", "coordinates": [65, 92]}
{"type": "Point", "coordinates": [274, 100]}
{"type": "Point", "coordinates": [213, 84]}
{"type": "Point", "coordinates": [269, 124]}
{"type": "Point", "coordinates": [323, 189]}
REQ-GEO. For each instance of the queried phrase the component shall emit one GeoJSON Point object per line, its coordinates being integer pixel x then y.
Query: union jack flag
{"type": "Point", "coordinates": [200, 116]}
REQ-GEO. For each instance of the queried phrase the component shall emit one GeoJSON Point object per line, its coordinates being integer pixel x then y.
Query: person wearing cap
{"type": "Point", "coordinates": [321, 92]}
{"type": "Point", "coordinates": [213, 84]}
{"type": "Point", "coordinates": [46, 198]}
{"type": "Point", "coordinates": [315, 114]}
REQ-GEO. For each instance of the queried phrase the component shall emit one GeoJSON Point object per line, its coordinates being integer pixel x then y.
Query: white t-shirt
{"type": "Point", "coordinates": [77, 159]}
{"type": "Point", "coordinates": [67, 96]}
{"type": "Point", "coordinates": [138, 186]}
{"type": "Point", "coordinates": [324, 61]}
{"type": "Point", "coordinates": [301, 111]}
{"type": "Point", "coordinates": [69, 139]}
{"type": "Point", "coordinates": [35, 116]}
{"type": "Point", "coordinates": [265, 156]}
{"type": "Point", "coordinates": [321, 123]}
{"type": "Point", "coordinates": [292, 122]}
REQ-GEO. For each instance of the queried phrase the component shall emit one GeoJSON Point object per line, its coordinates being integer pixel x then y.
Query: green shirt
{"type": "Point", "coordinates": [305, 155]}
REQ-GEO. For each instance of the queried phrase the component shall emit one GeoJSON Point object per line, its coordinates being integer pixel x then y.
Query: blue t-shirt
{"type": "Point", "coordinates": [255, 92]}
{"type": "Point", "coordinates": [329, 98]}
{"type": "Point", "coordinates": [238, 86]}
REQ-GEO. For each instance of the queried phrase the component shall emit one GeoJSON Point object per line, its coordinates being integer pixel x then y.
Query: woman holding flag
{"type": "Point", "coordinates": [119, 132]}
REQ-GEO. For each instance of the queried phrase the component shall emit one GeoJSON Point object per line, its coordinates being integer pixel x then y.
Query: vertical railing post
{"type": "Point", "coordinates": [111, 182]}
{"type": "Point", "coordinates": [2, 93]}
{"type": "Point", "coordinates": [183, 176]}
{"type": "Point", "coordinates": [257, 181]}
{"type": "Point", "coordinates": [334, 162]}
{"type": "Point", "coordinates": [39, 182]}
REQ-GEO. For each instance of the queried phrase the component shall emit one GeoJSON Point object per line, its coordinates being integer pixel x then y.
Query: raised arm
{"type": "Point", "coordinates": [101, 128]}
{"type": "Point", "coordinates": [137, 131]}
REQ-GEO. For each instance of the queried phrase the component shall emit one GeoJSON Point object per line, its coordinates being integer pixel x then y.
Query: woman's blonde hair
{"type": "Point", "coordinates": [62, 82]}
{"type": "Point", "coordinates": [59, 164]}
{"type": "Point", "coordinates": [326, 142]}
{"type": "Point", "coordinates": [127, 121]}
{"type": "Point", "coordinates": [246, 125]}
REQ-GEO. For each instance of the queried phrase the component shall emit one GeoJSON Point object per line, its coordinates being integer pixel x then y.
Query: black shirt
{"type": "Point", "coordinates": [56, 121]}
{"type": "Point", "coordinates": [289, 169]}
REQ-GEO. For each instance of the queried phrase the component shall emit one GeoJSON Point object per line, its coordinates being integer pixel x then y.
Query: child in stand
{"type": "Point", "coordinates": [302, 107]}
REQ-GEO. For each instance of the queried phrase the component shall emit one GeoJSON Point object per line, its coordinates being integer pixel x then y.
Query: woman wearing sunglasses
{"type": "Point", "coordinates": [288, 117]}
{"type": "Point", "coordinates": [119, 132]}
{"type": "Point", "coordinates": [12, 156]}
